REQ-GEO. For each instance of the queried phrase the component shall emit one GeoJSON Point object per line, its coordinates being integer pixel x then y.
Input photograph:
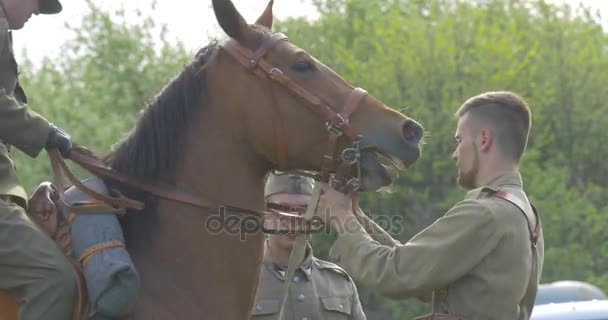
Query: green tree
{"type": "Point", "coordinates": [96, 88]}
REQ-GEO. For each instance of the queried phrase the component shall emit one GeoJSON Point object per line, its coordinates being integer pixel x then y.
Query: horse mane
{"type": "Point", "coordinates": [151, 150]}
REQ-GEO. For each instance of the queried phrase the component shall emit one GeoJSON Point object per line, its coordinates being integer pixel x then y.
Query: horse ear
{"type": "Point", "coordinates": [231, 20]}
{"type": "Point", "coordinates": [266, 18]}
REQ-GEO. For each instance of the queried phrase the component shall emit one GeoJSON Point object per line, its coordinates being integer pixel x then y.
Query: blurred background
{"type": "Point", "coordinates": [93, 67]}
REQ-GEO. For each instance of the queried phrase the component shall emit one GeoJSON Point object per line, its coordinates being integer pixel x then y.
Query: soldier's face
{"type": "Point", "coordinates": [466, 154]}
{"type": "Point", "coordinates": [295, 200]}
{"type": "Point", "coordinates": [19, 11]}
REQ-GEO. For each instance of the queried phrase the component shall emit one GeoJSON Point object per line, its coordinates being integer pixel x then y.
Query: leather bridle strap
{"type": "Point", "coordinates": [250, 61]}
{"type": "Point", "coordinates": [337, 123]}
{"type": "Point", "coordinates": [328, 162]}
{"type": "Point", "coordinates": [279, 129]}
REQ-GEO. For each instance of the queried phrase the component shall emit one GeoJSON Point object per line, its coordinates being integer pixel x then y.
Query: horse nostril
{"type": "Point", "coordinates": [412, 132]}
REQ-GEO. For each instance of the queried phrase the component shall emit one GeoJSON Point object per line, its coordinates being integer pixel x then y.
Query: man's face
{"type": "Point", "coordinates": [19, 11]}
{"type": "Point", "coordinates": [466, 154]}
{"type": "Point", "coordinates": [294, 200]}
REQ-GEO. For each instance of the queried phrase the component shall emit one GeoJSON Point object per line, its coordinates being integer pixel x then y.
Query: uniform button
{"type": "Point", "coordinates": [301, 297]}
{"type": "Point", "coordinates": [304, 318]}
{"type": "Point", "coordinates": [258, 307]}
{"type": "Point", "coordinates": [341, 307]}
{"type": "Point", "coordinates": [296, 279]}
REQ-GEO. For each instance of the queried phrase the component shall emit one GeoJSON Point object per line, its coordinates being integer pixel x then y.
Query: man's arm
{"type": "Point", "coordinates": [434, 258]}
{"type": "Point", "coordinates": [374, 230]}
{"type": "Point", "coordinates": [22, 127]}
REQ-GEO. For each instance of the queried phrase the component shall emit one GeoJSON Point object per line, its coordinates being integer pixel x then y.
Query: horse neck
{"type": "Point", "coordinates": [220, 167]}
{"type": "Point", "coordinates": [218, 270]}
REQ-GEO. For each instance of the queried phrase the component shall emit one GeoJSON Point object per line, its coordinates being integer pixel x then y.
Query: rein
{"type": "Point", "coordinates": [117, 202]}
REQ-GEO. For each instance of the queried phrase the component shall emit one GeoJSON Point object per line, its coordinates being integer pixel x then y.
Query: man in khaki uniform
{"type": "Point", "coordinates": [319, 289]}
{"type": "Point", "coordinates": [479, 260]}
{"type": "Point", "coordinates": [32, 268]}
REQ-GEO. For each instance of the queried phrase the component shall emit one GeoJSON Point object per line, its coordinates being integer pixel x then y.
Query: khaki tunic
{"type": "Point", "coordinates": [319, 290]}
{"type": "Point", "coordinates": [477, 258]}
{"type": "Point", "coordinates": [19, 126]}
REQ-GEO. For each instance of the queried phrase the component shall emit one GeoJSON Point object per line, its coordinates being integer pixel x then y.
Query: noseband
{"type": "Point", "coordinates": [337, 123]}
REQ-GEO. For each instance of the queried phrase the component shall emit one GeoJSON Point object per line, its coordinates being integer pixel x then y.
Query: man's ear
{"type": "Point", "coordinates": [486, 139]}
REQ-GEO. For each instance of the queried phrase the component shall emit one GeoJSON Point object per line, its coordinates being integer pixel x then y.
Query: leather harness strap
{"type": "Point", "coordinates": [92, 250]}
{"type": "Point", "coordinates": [534, 232]}
{"type": "Point", "coordinates": [531, 291]}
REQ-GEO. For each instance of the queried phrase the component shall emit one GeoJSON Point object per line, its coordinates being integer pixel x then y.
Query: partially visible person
{"type": "Point", "coordinates": [32, 267]}
{"type": "Point", "coordinates": [483, 259]}
{"type": "Point", "coordinates": [319, 289]}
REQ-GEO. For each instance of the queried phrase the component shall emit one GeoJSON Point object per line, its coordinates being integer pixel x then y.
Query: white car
{"type": "Point", "coordinates": [568, 291]}
{"type": "Point", "coordinates": [579, 310]}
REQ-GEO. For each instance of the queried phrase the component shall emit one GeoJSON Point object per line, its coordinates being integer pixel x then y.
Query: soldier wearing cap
{"type": "Point", "coordinates": [319, 289]}
{"type": "Point", "coordinates": [32, 267]}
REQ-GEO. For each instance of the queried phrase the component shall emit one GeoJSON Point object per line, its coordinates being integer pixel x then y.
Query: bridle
{"type": "Point", "coordinates": [337, 124]}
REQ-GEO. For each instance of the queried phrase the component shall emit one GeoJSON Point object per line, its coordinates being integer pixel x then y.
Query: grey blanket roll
{"type": "Point", "coordinates": [111, 277]}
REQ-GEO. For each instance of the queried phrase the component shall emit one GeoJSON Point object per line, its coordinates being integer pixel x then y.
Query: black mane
{"type": "Point", "coordinates": [151, 150]}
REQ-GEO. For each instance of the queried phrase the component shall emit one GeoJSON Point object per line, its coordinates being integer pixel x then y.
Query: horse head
{"type": "Point", "coordinates": [291, 102]}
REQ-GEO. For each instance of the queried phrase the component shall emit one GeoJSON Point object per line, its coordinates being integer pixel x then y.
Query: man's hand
{"type": "Point", "coordinates": [337, 208]}
{"type": "Point", "coordinates": [61, 140]}
{"type": "Point", "coordinates": [42, 208]}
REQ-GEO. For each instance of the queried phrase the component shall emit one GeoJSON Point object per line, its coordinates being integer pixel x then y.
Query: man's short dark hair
{"type": "Point", "coordinates": [507, 114]}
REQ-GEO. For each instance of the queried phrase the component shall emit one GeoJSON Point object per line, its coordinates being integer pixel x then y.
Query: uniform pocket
{"type": "Point", "coordinates": [337, 307]}
{"type": "Point", "coordinates": [265, 307]}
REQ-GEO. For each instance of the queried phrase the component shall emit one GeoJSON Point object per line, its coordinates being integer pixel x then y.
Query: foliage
{"type": "Point", "coordinates": [423, 58]}
{"type": "Point", "coordinates": [96, 88]}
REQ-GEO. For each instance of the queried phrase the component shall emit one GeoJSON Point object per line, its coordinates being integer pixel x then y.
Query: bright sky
{"type": "Point", "coordinates": [43, 35]}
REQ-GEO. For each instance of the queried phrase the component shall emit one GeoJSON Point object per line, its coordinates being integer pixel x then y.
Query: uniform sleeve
{"type": "Point", "coordinates": [375, 231]}
{"type": "Point", "coordinates": [357, 310]}
{"type": "Point", "coordinates": [22, 127]}
{"type": "Point", "coordinates": [434, 258]}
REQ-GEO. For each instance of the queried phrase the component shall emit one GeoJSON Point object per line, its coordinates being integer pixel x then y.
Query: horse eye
{"type": "Point", "coordinates": [303, 66]}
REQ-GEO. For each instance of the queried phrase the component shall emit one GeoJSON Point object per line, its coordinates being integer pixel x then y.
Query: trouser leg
{"type": "Point", "coordinates": [32, 268]}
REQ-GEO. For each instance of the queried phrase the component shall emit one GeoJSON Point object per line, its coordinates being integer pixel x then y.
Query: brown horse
{"type": "Point", "coordinates": [216, 130]}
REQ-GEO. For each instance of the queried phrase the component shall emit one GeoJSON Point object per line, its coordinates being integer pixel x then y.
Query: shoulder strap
{"type": "Point", "coordinates": [521, 206]}
{"type": "Point", "coordinates": [532, 290]}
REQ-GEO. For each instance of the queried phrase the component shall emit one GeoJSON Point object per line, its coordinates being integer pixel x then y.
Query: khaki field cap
{"type": "Point", "coordinates": [288, 183]}
{"type": "Point", "coordinates": [49, 6]}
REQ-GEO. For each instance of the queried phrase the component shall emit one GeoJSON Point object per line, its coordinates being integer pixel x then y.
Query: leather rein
{"type": "Point", "coordinates": [336, 123]}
